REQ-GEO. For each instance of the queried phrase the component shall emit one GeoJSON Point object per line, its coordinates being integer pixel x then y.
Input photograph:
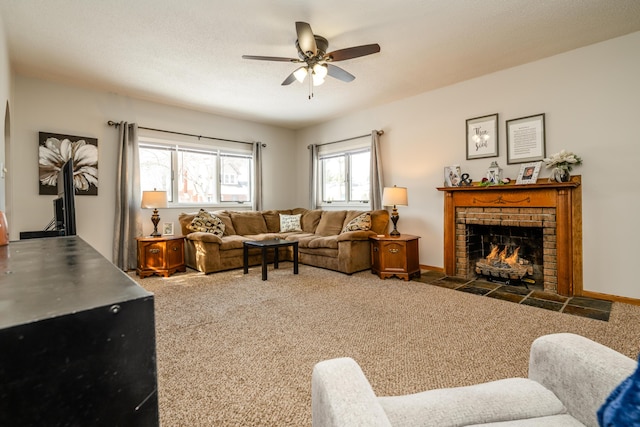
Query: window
{"type": "Point", "coordinates": [344, 176]}
{"type": "Point", "coordinates": [194, 175]}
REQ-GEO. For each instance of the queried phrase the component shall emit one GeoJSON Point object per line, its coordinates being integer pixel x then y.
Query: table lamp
{"type": "Point", "coordinates": [395, 196]}
{"type": "Point", "coordinates": [154, 200]}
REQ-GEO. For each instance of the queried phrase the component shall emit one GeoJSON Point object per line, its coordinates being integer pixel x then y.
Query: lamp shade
{"type": "Point", "coordinates": [154, 199]}
{"type": "Point", "coordinates": [395, 196]}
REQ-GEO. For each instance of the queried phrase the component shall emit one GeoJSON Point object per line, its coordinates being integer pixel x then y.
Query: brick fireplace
{"type": "Point", "coordinates": [550, 212]}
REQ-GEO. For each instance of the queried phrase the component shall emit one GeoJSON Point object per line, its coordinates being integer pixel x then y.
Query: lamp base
{"type": "Point", "coordinates": [155, 219]}
{"type": "Point", "coordinates": [394, 218]}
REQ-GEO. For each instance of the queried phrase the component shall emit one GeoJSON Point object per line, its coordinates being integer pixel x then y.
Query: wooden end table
{"type": "Point", "coordinates": [264, 245]}
{"type": "Point", "coordinates": [395, 256]}
{"type": "Point", "coordinates": [160, 255]}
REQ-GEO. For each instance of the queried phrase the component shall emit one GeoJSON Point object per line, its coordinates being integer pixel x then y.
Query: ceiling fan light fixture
{"type": "Point", "coordinates": [320, 71]}
{"type": "Point", "coordinates": [300, 74]}
{"type": "Point", "coordinates": [317, 80]}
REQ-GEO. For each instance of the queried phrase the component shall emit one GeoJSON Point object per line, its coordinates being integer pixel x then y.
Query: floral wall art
{"type": "Point", "coordinates": [55, 149]}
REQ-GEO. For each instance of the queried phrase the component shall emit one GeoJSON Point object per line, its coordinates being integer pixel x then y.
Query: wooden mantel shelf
{"type": "Point", "coordinates": [542, 184]}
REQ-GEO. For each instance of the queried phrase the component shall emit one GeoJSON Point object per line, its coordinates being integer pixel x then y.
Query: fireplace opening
{"type": "Point", "coordinates": [512, 255]}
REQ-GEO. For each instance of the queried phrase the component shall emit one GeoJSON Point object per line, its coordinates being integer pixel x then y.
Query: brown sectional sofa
{"type": "Point", "coordinates": [321, 242]}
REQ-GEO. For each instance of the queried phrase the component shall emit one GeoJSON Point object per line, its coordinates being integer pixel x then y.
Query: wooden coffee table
{"type": "Point", "coordinates": [264, 245]}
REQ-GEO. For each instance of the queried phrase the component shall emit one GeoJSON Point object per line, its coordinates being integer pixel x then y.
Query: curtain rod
{"type": "Point", "coordinates": [379, 132]}
{"type": "Point", "coordinates": [117, 124]}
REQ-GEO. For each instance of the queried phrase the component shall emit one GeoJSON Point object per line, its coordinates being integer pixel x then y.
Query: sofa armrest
{"type": "Point", "coordinates": [580, 372]}
{"type": "Point", "coordinates": [204, 237]}
{"type": "Point", "coordinates": [355, 235]}
{"type": "Point", "coordinates": [342, 396]}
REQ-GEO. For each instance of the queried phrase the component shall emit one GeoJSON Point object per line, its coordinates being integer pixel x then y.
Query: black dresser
{"type": "Point", "coordinates": [77, 339]}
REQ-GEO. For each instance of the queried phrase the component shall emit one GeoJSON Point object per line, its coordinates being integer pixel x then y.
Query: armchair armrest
{"type": "Point", "coordinates": [341, 396]}
{"type": "Point", "coordinates": [581, 372]}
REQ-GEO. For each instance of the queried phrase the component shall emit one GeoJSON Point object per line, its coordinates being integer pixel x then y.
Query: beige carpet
{"type": "Point", "coordinates": [236, 351]}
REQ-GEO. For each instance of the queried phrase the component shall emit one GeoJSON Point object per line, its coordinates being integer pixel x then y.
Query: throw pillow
{"type": "Point", "coordinates": [360, 223]}
{"type": "Point", "coordinates": [207, 223]}
{"type": "Point", "coordinates": [622, 407]}
{"type": "Point", "coordinates": [290, 223]}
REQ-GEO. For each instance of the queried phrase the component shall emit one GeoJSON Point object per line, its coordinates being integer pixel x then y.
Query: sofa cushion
{"type": "Point", "coordinates": [232, 242]}
{"type": "Point", "coordinates": [207, 222]}
{"type": "Point", "coordinates": [328, 242]}
{"type": "Point", "coordinates": [297, 237]}
{"type": "Point", "coordinates": [331, 223]}
{"type": "Point", "coordinates": [309, 219]}
{"type": "Point", "coordinates": [224, 216]}
{"type": "Point", "coordinates": [272, 219]}
{"type": "Point", "coordinates": [303, 240]}
{"type": "Point", "coordinates": [362, 222]}
{"type": "Point", "coordinates": [246, 223]}
{"type": "Point", "coordinates": [290, 223]}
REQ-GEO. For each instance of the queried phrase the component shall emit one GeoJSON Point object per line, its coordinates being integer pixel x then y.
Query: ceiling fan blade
{"type": "Point", "coordinates": [339, 73]}
{"type": "Point", "coordinates": [290, 79]}
{"type": "Point", "coordinates": [270, 58]}
{"type": "Point", "coordinates": [353, 52]}
{"type": "Point", "coordinates": [306, 39]}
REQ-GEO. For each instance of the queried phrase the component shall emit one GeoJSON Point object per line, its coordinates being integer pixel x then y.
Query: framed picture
{"type": "Point", "coordinates": [528, 173]}
{"type": "Point", "coordinates": [55, 149]}
{"type": "Point", "coordinates": [452, 176]}
{"type": "Point", "coordinates": [525, 139]}
{"type": "Point", "coordinates": [482, 137]}
{"type": "Point", "coordinates": [167, 229]}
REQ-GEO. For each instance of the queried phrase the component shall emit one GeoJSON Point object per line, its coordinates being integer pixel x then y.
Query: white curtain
{"type": "Point", "coordinates": [375, 179]}
{"type": "Point", "coordinates": [313, 177]}
{"type": "Point", "coordinates": [128, 224]}
{"type": "Point", "coordinates": [257, 202]}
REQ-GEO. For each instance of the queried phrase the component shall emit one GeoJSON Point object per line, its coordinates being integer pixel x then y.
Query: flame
{"type": "Point", "coordinates": [497, 256]}
{"type": "Point", "coordinates": [493, 255]}
{"type": "Point", "coordinates": [513, 259]}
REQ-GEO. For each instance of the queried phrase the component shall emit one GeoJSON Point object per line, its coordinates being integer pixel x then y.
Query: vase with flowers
{"type": "Point", "coordinates": [562, 164]}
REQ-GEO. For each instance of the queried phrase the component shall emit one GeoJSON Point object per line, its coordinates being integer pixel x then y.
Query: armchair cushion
{"type": "Point", "coordinates": [497, 401]}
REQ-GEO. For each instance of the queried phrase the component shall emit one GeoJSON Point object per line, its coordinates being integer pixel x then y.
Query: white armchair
{"type": "Point", "coordinates": [569, 378]}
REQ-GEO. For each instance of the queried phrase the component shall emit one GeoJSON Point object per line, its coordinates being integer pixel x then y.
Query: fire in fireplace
{"type": "Point", "coordinates": [503, 265]}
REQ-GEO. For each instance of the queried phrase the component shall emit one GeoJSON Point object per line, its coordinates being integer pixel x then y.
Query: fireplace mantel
{"type": "Point", "coordinates": [565, 198]}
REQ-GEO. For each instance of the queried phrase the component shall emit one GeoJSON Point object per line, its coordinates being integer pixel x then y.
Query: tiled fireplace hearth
{"type": "Point", "coordinates": [552, 211]}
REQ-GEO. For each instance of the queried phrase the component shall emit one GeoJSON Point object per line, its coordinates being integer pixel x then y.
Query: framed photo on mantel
{"type": "Point", "coordinates": [528, 173]}
{"type": "Point", "coordinates": [482, 137]}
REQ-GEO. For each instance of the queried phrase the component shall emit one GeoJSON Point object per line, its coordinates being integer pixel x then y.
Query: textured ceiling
{"type": "Point", "coordinates": [188, 53]}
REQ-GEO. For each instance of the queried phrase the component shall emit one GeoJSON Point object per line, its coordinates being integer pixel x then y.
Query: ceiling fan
{"type": "Point", "coordinates": [312, 52]}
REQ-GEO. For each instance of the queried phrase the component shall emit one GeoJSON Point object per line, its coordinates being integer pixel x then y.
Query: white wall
{"type": "Point", "coordinates": [5, 104]}
{"type": "Point", "coordinates": [42, 106]}
{"type": "Point", "coordinates": [591, 100]}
